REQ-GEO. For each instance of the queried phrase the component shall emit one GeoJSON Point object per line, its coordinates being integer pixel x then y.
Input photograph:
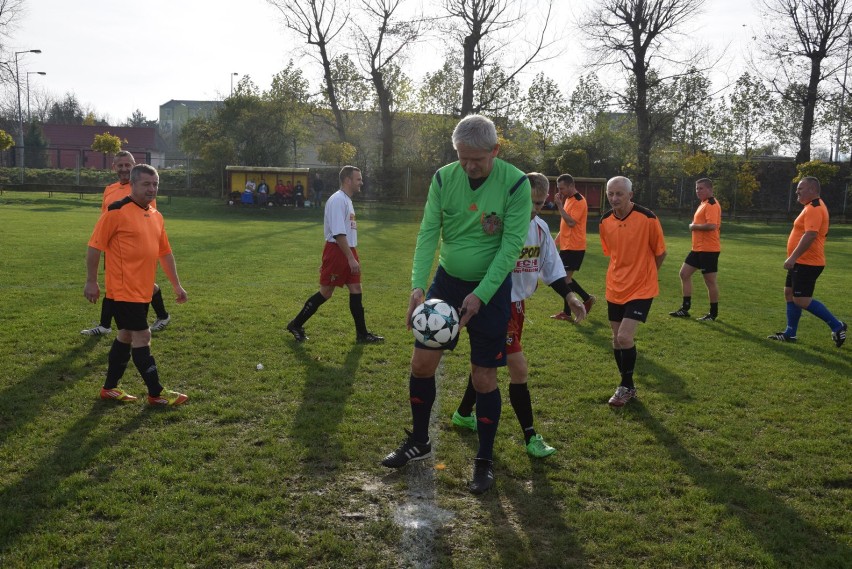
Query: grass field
{"type": "Point", "coordinates": [737, 453]}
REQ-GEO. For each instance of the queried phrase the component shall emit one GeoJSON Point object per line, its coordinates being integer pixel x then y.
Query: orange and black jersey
{"type": "Point", "coordinates": [133, 238]}
{"type": "Point", "coordinates": [574, 238]}
{"type": "Point", "coordinates": [115, 192]}
{"type": "Point", "coordinates": [707, 241]}
{"type": "Point", "coordinates": [814, 217]}
{"type": "Point", "coordinates": [632, 245]}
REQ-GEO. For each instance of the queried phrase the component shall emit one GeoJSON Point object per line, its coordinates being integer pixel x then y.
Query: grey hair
{"type": "Point", "coordinates": [140, 169]}
{"type": "Point", "coordinates": [628, 185]}
{"type": "Point", "coordinates": [475, 131]}
{"type": "Point", "coordinates": [813, 182]}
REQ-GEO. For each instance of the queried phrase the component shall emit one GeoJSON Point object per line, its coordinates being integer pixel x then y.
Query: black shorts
{"type": "Point", "coordinates": [487, 330]}
{"type": "Point", "coordinates": [802, 279]}
{"type": "Point", "coordinates": [572, 260]}
{"type": "Point", "coordinates": [706, 261]}
{"type": "Point", "coordinates": [131, 316]}
{"type": "Point", "coordinates": [635, 310]}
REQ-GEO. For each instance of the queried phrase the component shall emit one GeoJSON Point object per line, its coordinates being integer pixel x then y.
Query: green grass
{"type": "Point", "coordinates": [735, 455]}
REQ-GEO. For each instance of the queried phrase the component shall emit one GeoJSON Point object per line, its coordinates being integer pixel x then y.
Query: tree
{"type": "Point", "coordinates": [383, 37]}
{"type": "Point", "coordinates": [66, 111]}
{"type": "Point", "coordinates": [138, 119]}
{"type": "Point", "coordinates": [633, 34]}
{"type": "Point", "coordinates": [804, 44]}
{"type": "Point", "coordinates": [36, 145]}
{"type": "Point", "coordinates": [107, 143]}
{"type": "Point", "coordinates": [481, 27]}
{"type": "Point", "coordinates": [751, 113]}
{"type": "Point", "coordinates": [339, 153]}
{"type": "Point", "coordinates": [543, 109]}
{"type": "Point", "coordinates": [692, 110]}
{"type": "Point", "coordinates": [6, 140]}
{"type": "Point", "coordinates": [588, 100]}
{"type": "Point", "coordinates": [318, 22]}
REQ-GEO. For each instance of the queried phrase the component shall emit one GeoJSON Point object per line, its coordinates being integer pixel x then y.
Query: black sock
{"type": "Point", "coordinates": [468, 399]}
{"type": "Point", "coordinates": [488, 408]}
{"type": "Point", "coordinates": [119, 355]}
{"type": "Point", "coordinates": [421, 392]}
{"type": "Point", "coordinates": [144, 362]}
{"type": "Point", "coordinates": [618, 359]}
{"type": "Point", "coordinates": [575, 286]}
{"type": "Point", "coordinates": [106, 312]}
{"type": "Point", "coordinates": [519, 396]}
{"type": "Point", "coordinates": [308, 310]}
{"type": "Point", "coordinates": [714, 309]}
{"type": "Point", "coordinates": [357, 310]}
{"type": "Point", "coordinates": [687, 302]}
{"type": "Point", "coordinates": [158, 306]}
{"type": "Point", "coordinates": [628, 362]}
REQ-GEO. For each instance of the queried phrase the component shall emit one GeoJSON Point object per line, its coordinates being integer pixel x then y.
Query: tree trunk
{"type": "Point", "coordinates": [339, 123]}
{"type": "Point", "coordinates": [643, 128]}
{"type": "Point", "coordinates": [804, 154]}
{"type": "Point", "coordinates": [468, 71]}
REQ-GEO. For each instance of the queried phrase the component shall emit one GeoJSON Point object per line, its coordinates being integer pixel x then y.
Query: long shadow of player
{"type": "Point", "coordinates": [529, 521]}
{"type": "Point", "coordinates": [327, 388]}
{"type": "Point", "coordinates": [21, 402]}
{"type": "Point", "coordinates": [779, 528]}
{"type": "Point", "coordinates": [45, 490]}
{"type": "Point", "coordinates": [830, 357]}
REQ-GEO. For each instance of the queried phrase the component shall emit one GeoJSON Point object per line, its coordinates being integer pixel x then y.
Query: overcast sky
{"type": "Point", "coordinates": [120, 56]}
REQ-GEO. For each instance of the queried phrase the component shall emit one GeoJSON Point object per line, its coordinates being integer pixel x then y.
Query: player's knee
{"type": "Point", "coordinates": [802, 301]}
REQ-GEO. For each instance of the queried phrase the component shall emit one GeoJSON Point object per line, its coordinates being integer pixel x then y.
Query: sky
{"type": "Point", "coordinates": [120, 56]}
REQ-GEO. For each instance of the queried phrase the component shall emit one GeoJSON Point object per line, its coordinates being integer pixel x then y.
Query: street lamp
{"type": "Point", "coordinates": [20, 114]}
{"type": "Point", "coordinates": [234, 74]}
{"type": "Point", "coordinates": [29, 117]}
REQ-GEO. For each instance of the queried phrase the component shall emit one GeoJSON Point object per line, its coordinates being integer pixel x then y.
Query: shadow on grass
{"type": "Point", "coordinates": [22, 401]}
{"type": "Point", "coordinates": [529, 524]}
{"type": "Point", "coordinates": [527, 515]}
{"type": "Point", "coordinates": [809, 359]}
{"type": "Point", "coordinates": [781, 532]}
{"type": "Point", "coordinates": [45, 489]}
{"type": "Point", "coordinates": [324, 395]}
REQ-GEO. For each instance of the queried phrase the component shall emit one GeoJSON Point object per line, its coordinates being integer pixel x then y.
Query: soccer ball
{"type": "Point", "coordinates": [435, 323]}
{"type": "Point", "coordinates": [230, 202]}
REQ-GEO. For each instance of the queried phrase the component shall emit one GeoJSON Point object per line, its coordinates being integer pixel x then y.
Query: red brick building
{"type": "Point", "coordinates": [69, 143]}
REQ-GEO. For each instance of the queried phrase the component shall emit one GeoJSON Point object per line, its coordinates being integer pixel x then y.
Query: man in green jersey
{"type": "Point", "coordinates": [478, 209]}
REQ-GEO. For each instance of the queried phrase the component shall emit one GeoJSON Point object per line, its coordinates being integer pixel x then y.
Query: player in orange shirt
{"type": "Point", "coordinates": [705, 251]}
{"type": "Point", "coordinates": [573, 210]}
{"type": "Point", "coordinates": [122, 163]}
{"type": "Point", "coordinates": [632, 238]}
{"type": "Point", "coordinates": [805, 262]}
{"type": "Point", "coordinates": [134, 236]}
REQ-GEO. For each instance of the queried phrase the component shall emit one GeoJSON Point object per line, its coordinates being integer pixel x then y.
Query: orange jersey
{"type": "Point", "coordinates": [133, 238]}
{"type": "Point", "coordinates": [115, 192]}
{"type": "Point", "coordinates": [574, 238]}
{"type": "Point", "coordinates": [814, 217]}
{"type": "Point", "coordinates": [632, 245]}
{"type": "Point", "coordinates": [707, 241]}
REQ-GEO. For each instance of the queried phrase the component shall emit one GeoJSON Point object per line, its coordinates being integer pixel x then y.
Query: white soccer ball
{"type": "Point", "coordinates": [230, 202]}
{"type": "Point", "coordinates": [435, 323]}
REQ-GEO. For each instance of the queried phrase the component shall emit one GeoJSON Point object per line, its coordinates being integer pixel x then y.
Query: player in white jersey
{"type": "Point", "coordinates": [539, 258]}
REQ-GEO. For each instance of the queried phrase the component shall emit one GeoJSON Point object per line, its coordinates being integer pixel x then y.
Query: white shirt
{"type": "Point", "coordinates": [538, 257]}
{"type": "Point", "coordinates": [340, 218]}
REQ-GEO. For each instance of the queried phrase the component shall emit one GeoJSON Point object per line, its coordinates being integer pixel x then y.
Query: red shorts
{"type": "Point", "coordinates": [516, 329]}
{"type": "Point", "coordinates": [335, 267]}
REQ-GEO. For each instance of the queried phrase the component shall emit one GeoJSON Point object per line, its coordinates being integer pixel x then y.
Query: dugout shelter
{"type": "Point", "coordinates": [591, 188]}
{"type": "Point", "coordinates": [239, 175]}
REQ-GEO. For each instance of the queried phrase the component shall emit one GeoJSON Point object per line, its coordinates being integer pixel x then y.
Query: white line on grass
{"type": "Point", "coordinates": [419, 516]}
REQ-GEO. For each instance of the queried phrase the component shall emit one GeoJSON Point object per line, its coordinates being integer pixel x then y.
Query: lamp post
{"type": "Point", "coordinates": [234, 74]}
{"type": "Point", "coordinates": [20, 114]}
{"type": "Point", "coordinates": [29, 117]}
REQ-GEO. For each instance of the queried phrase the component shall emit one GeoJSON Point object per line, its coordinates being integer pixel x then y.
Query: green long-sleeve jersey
{"type": "Point", "coordinates": [481, 231]}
